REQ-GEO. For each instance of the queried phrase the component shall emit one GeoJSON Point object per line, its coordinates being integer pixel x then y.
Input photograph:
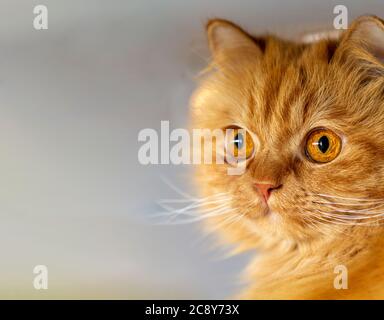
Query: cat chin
{"type": "Point", "coordinates": [268, 216]}
{"type": "Point", "coordinates": [274, 217]}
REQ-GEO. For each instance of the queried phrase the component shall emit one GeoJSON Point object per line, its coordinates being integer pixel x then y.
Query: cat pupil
{"type": "Point", "coordinates": [323, 144]}
{"type": "Point", "coordinates": [238, 141]}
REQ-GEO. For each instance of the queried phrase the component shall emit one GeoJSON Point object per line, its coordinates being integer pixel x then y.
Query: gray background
{"type": "Point", "coordinates": [72, 100]}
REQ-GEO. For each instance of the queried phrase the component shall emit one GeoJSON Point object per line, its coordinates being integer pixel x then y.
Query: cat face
{"type": "Point", "coordinates": [314, 117]}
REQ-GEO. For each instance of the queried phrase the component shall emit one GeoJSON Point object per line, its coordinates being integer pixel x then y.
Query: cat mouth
{"type": "Point", "coordinates": [268, 210]}
{"type": "Point", "coordinates": [265, 210]}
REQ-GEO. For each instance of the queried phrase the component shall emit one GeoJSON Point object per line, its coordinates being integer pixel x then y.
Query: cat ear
{"type": "Point", "coordinates": [365, 40]}
{"type": "Point", "coordinates": [225, 37]}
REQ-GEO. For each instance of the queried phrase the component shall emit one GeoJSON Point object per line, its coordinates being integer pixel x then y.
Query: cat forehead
{"type": "Point", "coordinates": [293, 95]}
{"type": "Point", "coordinates": [282, 53]}
{"type": "Point", "coordinates": [290, 86]}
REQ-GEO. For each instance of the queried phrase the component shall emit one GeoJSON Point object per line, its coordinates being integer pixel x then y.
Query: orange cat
{"type": "Point", "coordinates": [311, 200]}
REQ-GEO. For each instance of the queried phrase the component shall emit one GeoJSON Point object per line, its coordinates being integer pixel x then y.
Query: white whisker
{"type": "Point", "coordinates": [201, 217]}
{"type": "Point", "coordinates": [198, 205]}
{"type": "Point", "coordinates": [221, 194]}
{"type": "Point", "coordinates": [335, 219]}
{"type": "Point", "coordinates": [350, 204]}
{"type": "Point", "coordinates": [364, 212]}
{"type": "Point", "coordinates": [352, 217]}
{"type": "Point", "coordinates": [345, 198]}
{"type": "Point", "coordinates": [185, 211]}
{"type": "Point", "coordinates": [176, 189]}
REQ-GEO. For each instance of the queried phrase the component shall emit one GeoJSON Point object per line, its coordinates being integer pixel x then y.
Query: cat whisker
{"type": "Point", "coordinates": [187, 211]}
{"type": "Point", "coordinates": [199, 208]}
{"type": "Point", "coordinates": [316, 220]}
{"type": "Point", "coordinates": [344, 198]}
{"type": "Point", "coordinates": [349, 204]}
{"type": "Point", "coordinates": [376, 222]}
{"type": "Point", "coordinates": [337, 220]}
{"type": "Point", "coordinates": [215, 213]}
{"type": "Point", "coordinates": [221, 194]}
{"type": "Point", "coordinates": [222, 224]}
{"type": "Point", "coordinates": [348, 212]}
{"type": "Point", "coordinates": [176, 189]}
{"type": "Point", "coordinates": [198, 205]}
{"type": "Point", "coordinates": [226, 221]}
{"type": "Point", "coordinates": [351, 217]}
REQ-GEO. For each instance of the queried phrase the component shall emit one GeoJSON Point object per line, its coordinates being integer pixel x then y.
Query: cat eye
{"type": "Point", "coordinates": [239, 144]}
{"type": "Point", "coordinates": [322, 145]}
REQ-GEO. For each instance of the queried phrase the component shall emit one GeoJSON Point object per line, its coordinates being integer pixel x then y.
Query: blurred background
{"type": "Point", "coordinates": [73, 98]}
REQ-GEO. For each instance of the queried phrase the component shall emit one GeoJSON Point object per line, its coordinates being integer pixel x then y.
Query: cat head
{"type": "Point", "coordinates": [313, 122]}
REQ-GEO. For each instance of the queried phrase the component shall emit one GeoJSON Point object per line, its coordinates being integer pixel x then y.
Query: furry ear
{"type": "Point", "coordinates": [225, 37]}
{"type": "Point", "coordinates": [365, 40]}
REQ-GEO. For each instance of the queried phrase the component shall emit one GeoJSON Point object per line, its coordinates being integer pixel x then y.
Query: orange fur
{"type": "Point", "coordinates": [279, 90]}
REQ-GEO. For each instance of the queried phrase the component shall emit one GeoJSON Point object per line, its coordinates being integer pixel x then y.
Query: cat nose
{"type": "Point", "coordinates": [265, 190]}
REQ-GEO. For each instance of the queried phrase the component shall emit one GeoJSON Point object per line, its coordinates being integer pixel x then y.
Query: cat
{"type": "Point", "coordinates": [311, 200]}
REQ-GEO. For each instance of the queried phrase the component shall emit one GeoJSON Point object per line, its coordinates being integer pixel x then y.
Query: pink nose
{"type": "Point", "coordinates": [265, 190]}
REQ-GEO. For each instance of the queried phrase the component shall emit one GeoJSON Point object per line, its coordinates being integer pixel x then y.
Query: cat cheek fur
{"type": "Point", "coordinates": [323, 215]}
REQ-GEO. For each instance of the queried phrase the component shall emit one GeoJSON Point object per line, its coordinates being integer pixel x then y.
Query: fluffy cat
{"type": "Point", "coordinates": [312, 195]}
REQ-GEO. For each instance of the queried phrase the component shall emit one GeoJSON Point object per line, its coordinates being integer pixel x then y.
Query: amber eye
{"type": "Point", "coordinates": [322, 145]}
{"type": "Point", "coordinates": [239, 144]}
